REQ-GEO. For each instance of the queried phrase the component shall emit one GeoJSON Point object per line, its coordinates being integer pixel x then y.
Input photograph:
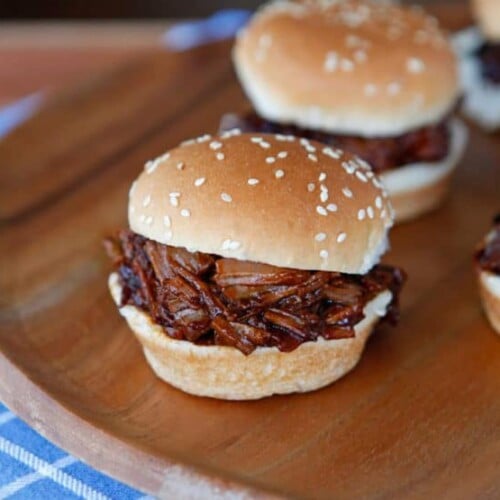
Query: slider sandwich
{"type": "Point", "coordinates": [250, 267]}
{"type": "Point", "coordinates": [377, 80]}
{"type": "Point", "coordinates": [487, 260]}
{"type": "Point", "coordinates": [479, 52]}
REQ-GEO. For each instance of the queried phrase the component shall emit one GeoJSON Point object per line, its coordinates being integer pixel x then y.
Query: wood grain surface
{"type": "Point", "coordinates": [418, 418]}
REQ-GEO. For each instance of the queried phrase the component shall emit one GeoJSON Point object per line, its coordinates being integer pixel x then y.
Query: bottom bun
{"type": "Point", "coordinates": [226, 373]}
{"type": "Point", "coordinates": [489, 288]}
{"type": "Point", "coordinates": [421, 187]}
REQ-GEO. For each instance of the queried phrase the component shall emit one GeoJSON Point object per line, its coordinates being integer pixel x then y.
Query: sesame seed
{"type": "Point", "coordinates": [335, 154]}
{"type": "Point", "coordinates": [415, 65]}
{"type": "Point", "coordinates": [349, 167]}
{"type": "Point", "coordinates": [331, 207]}
{"type": "Point", "coordinates": [220, 156]}
{"type": "Point", "coordinates": [264, 145]}
{"type": "Point", "coordinates": [346, 65]}
{"type": "Point", "coordinates": [347, 192]}
{"type": "Point", "coordinates": [341, 237]}
{"type": "Point", "coordinates": [215, 145]}
{"type": "Point", "coordinates": [225, 244]}
{"type": "Point", "coordinates": [361, 214]}
{"type": "Point", "coordinates": [320, 237]}
{"type": "Point", "coordinates": [252, 181]}
{"type": "Point", "coordinates": [146, 201]}
{"type": "Point", "coordinates": [321, 210]}
{"type": "Point", "coordinates": [149, 220]}
{"type": "Point", "coordinates": [185, 212]}
{"type": "Point", "coordinates": [226, 197]}
{"type": "Point", "coordinates": [370, 212]}
{"type": "Point", "coordinates": [309, 148]}
{"type": "Point", "coordinates": [199, 182]}
{"type": "Point", "coordinates": [324, 194]}
{"type": "Point", "coordinates": [286, 138]}
{"type": "Point", "coordinates": [230, 133]}
{"type": "Point", "coordinates": [378, 202]}
{"type": "Point", "coordinates": [282, 154]}
{"type": "Point", "coordinates": [256, 139]}
{"type": "Point", "coordinates": [323, 254]}
{"type": "Point", "coordinates": [188, 142]}
{"type": "Point", "coordinates": [168, 235]}
{"type": "Point", "coordinates": [270, 159]}
{"type": "Point", "coordinates": [370, 89]}
{"type": "Point", "coordinates": [312, 157]}
{"type": "Point", "coordinates": [174, 194]}
{"type": "Point", "coordinates": [361, 176]}
{"type": "Point", "coordinates": [322, 177]}
{"type": "Point", "coordinates": [311, 186]}
{"type": "Point", "coordinates": [151, 166]}
{"type": "Point", "coordinates": [393, 88]}
{"type": "Point", "coordinates": [204, 138]}
{"type": "Point", "coordinates": [360, 56]}
{"type": "Point", "coordinates": [167, 221]}
{"type": "Point", "coordinates": [180, 165]}
{"type": "Point", "coordinates": [132, 188]}
{"type": "Point", "coordinates": [383, 213]}
{"type": "Point", "coordinates": [279, 174]}
{"type": "Point", "coordinates": [331, 62]}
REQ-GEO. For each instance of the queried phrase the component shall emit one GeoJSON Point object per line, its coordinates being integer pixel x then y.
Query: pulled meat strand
{"type": "Point", "coordinates": [426, 144]}
{"type": "Point", "coordinates": [487, 255]}
{"type": "Point", "coordinates": [211, 300]}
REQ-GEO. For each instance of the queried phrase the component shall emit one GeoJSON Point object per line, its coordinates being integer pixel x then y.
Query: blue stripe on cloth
{"type": "Point", "coordinates": [31, 467]}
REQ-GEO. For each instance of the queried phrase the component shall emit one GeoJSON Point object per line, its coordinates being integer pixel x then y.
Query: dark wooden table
{"type": "Point", "coordinates": [419, 417]}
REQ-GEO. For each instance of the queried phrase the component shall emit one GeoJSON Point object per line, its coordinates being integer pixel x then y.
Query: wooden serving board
{"type": "Point", "coordinates": [420, 415]}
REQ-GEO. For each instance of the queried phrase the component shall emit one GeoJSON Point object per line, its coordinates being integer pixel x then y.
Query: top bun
{"type": "Point", "coordinates": [363, 68]}
{"type": "Point", "coordinates": [265, 198]}
{"type": "Point", "coordinates": [487, 13]}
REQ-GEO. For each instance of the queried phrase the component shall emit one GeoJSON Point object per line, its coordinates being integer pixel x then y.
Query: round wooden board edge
{"type": "Point", "coordinates": [159, 476]}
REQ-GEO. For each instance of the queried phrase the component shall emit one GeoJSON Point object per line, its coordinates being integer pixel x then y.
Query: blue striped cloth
{"type": "Point", "coordinates": [32, 467]}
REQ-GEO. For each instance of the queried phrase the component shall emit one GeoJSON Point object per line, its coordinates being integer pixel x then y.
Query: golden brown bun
{"type": "Point", "coordinates": [286, 202]}
{"type": "Point", "coordinates": [487, 13]}
{"type": "Point", "coordinates": [348, 67]}
{"type": "Point", "coordinates": [225, 373]}
{"type": "Point", "coordinates": [419, 188]}
{"type": "Point", "coordinates": [489, 288]}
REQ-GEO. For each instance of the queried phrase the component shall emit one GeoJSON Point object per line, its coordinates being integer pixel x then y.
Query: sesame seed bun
{"type": "Point", "coordinates": [265, 198]}
{"type": "Point", "coordinates": [419, 188]}
{"type": "Point", "coordinates": [487, 13]}
{"type": "Point", "coordinates": [489, 289]}
{"type": "Point", "coordinates": [226, 373]}
{"type": "Point", "coordinates": [348, 67]}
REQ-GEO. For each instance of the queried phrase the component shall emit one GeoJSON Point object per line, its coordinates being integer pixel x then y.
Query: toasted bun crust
{"type": "Point", "coordinates": [354, 67]}
{"type": "Point", "coordinates": [225, 373]}
{"type": "Point", "coordinates": [418, 188]}
{"type": "Point", "coordinates": [280, 201]}
{"type": "Point", "coordinates": [489, 288]}
{"type": "Point", "coordinates": [487, 13]}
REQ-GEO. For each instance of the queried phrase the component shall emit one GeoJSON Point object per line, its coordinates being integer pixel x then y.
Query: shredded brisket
{"type": "Point", "coordinates": [210, 300]}
{"type": "Point", "coordinates": [488, 255]}
{"type": "Point", "coordinates": [428, 144]}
